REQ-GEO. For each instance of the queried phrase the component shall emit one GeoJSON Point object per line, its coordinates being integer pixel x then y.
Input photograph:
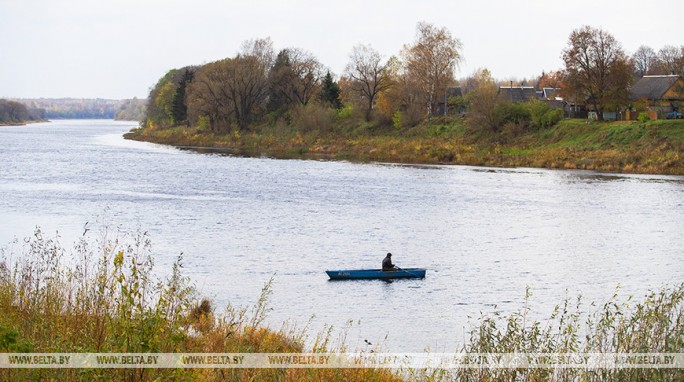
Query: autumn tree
{"type": "Point", "coordinates": [596, 68]}
{"type": "Point", "coordinates": [368, 75]}
{"type": "Point", "coordinates": [483, 98]}
{"type": "Point", "coordinates": [293, 79]}
{"type": "Point", "coordinates": [209, 98]}
{"type": "Point", "coordinates": [160, 100]}
{"type": "Point", "coordinates": [232, 91]}
{"type": "Point", "coordinates": [431, 60]}
{"type": "Point", "coordinates": [551, 80]}
{"type": "Point", "coordinates": [247, 85]}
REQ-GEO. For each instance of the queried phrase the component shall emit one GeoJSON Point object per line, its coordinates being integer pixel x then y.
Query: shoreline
{"type": "Point", "coordinates": [623, 148]}
{"type": "Point", "coordinates": [24, 123]}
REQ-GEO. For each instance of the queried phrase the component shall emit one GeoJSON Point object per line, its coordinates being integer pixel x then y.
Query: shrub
{"type": "Point", "coordinates": [397, 120]}
{"type": "Point", "coordinates": [313, 117]}
{"type": "Point", "coordinates": [551, 118]}
{"type": "Point", "coordinates": [203, 123]}
{"type": "Point", "coordinates": [344, 113]}
{"type": "Point", "coordinates": [643, 117]}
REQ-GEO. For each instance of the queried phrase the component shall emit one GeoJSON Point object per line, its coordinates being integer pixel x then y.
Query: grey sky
{"type": "Point", "coordinates": [120, 48]}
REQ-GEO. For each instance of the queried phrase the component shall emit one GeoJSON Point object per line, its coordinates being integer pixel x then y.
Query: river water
{"type": "Point", "coordinates": [484, 234]}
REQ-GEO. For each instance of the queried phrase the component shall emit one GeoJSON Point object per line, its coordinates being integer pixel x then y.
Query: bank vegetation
{"type": "Point", "coordinates": [103, 296]}
{"type": "Point", "coordinates": [404, 108]}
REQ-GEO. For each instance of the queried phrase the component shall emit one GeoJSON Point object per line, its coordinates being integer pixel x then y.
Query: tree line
{"type": "Point", "coordinates": [13, 112]}
{"type": "Point", "coordinates": [258, 85]}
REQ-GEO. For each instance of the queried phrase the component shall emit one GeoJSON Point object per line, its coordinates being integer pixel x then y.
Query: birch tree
{"type": "Point", "coordinates": [432, 60]}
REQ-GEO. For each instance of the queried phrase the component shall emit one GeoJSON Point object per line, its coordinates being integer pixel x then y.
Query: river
{"type": "Point", "coordinates": [484, 234]}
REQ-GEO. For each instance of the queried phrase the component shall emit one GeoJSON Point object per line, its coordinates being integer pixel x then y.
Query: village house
{"type": "Point", "coordinates": [662, 95]}
{"type": "Point", "coordinates": [518, 93]}
{"type": "Point", "coordinates": [550, 96]}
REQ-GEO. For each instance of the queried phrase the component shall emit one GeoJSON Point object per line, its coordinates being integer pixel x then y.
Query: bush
{"type": "Point", "coordinates": [203, 124]}
{"type": "Point", "coordinates": [496, 114]}
{"type": "Point", "coordinates": [643, 117]}
{"type": "Point", "coordinates": [344, 113]}
{"type": "Point", "coordinates": [313, 117]}
{"type": "Point", "coordinates": [541, 114]}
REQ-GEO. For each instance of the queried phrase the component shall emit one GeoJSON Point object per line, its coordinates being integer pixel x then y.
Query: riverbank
{"type": "Point", "coordinates": [24, 123]}
{"type": "Point", "coordinates": [110, 301]}
{"type": "Point", "coordinates": [654, 147]}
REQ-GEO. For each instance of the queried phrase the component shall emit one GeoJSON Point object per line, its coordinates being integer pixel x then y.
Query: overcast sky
{"type": "Point", "coordinates": [120, 48]}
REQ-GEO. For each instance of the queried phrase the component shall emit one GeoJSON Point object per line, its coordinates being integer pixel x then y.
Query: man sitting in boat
{"type": "Point", "coordinates": [387, 265]}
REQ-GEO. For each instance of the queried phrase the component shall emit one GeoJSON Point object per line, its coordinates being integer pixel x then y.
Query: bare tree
{"type": "Point", "coordinates": [233, 90]}
{"type": "Point", "coordinates": [368, 74]}
{"type": "Point", "coordinates": [294, 78]}
{"type": "Point", "coordinates": [248, 88]}
{"type": "Point", "coordinates": [432, 60]}
{"type": "Point", "coordinates": [643, 60]}
{"type": "Point", "coordinates": [261, 49]}
{"type": "Point", "coordinates": [670, 58]}
{"type": "Point", "coordinates": [596, 68]}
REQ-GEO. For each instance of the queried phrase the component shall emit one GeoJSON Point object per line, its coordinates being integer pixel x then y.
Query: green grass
{"type": "Point", "coordinates": [630, 147]}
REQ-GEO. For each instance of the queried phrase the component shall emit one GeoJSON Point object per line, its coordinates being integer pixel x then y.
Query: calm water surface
{"type": "Point", "coordinates": [483, 234]}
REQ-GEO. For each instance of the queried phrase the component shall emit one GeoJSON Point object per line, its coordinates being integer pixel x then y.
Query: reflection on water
{"type": "Point", "coordinates": [484, 234]}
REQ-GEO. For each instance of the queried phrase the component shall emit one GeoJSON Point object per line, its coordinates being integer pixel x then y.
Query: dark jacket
{"type": "Point", "coordinates": [387, 263]}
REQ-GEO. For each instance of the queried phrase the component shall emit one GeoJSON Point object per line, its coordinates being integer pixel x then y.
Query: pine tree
{"type": "Point", "coordinates": [280, 82]}
{"type": "Point", "coordinates": [179, 108]}
{"type": "Point", "coordinates": [330, 92]}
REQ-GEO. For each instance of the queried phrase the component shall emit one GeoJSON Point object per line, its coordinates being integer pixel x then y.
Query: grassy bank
{"type": "Point", "coordinates": [104, 298]}
{"type": "Point", "coordinates": [655, 147]}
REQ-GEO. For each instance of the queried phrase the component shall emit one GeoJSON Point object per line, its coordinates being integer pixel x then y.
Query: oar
{"type": "Point", "coordinates": [404, 270]}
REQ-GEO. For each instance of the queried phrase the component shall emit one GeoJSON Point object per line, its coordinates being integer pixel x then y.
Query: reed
{"type": "Point", "coordinates": [103, 296]}
{"type": "Point", "coordinates": [654, 325]}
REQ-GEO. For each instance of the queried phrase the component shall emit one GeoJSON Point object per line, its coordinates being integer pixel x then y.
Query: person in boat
{"type": "Point", "coordinates": [387, 265]}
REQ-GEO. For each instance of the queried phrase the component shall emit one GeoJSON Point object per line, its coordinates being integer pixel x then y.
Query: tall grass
{"type": "Point", "coordinates": [655, 325]}
{"type": "Point", "coordinates": [103, 296]}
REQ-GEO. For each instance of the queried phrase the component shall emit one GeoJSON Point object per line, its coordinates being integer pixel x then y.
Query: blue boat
{"type": "Point", "coordinates": [368, 274]}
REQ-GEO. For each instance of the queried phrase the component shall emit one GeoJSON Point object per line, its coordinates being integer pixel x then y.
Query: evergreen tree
{"type": "Point", "coordinates": [330, 92]}
{"type": "Point", "coordinates": [179, 109]}
{"type": "Point", "coordinates": [280, 83]}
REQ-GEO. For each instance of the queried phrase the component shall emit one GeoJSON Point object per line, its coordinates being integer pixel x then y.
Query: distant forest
{"type": "Point", "coordinates": [131, 110]}
{"type": "Point", "coordinates": [81, 108]}
{"type": "Point", "coordinates": [12, 112]}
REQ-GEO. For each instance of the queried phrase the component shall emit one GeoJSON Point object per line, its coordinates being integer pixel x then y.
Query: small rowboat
{"type": "Point", "coordinates": [367, 274]}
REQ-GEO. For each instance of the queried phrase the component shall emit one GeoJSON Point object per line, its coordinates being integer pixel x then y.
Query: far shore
{"type": "Point", "coordinates": [24, 123]}
{"type": "Point", "coordinates": [617, 147]}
